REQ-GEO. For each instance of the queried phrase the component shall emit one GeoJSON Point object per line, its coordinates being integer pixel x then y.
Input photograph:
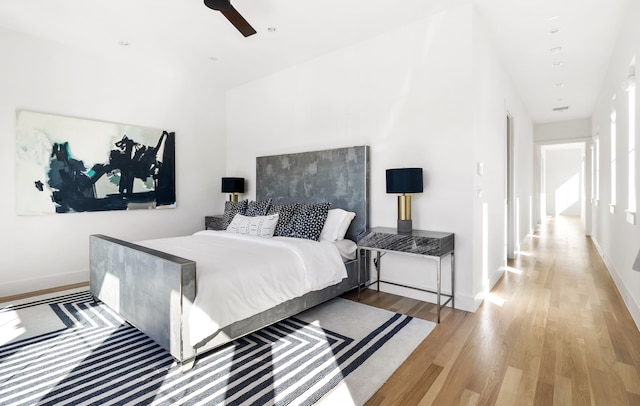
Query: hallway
{"type": "Point", "coordinates": [554, 331]}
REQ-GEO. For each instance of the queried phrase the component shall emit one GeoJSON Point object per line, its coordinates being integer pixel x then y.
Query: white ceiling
{"type": "Point", "coordinates": [588, 32]}
{"type": "Point", "coordinates": [186, 36]}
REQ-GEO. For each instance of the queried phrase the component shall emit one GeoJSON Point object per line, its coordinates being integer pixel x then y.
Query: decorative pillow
{"type": "Point", "coordinates": [230, 211]}
{"type": "Point", "coordinates": [286, 212]}
{"type": "Point", "coordinates": [258, 208]}
{"type": "Point", "coordinates": [261, 226]}
{"type": "Point", "coordinates": [336, 225]}
{"type": "Point", "coordinates": [308, 221]}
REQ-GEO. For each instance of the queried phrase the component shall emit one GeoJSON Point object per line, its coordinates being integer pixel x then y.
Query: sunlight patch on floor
{"type": "Point", "coordinates": [339, 396]}
{"type": "Point", "coordinates": [27, 322]}
{"type": "Point", "coordinates": [511, 269]}
{"type": "Point", "coordinates": [10, 327]}
{"type": "Point", "coordinates": [497, 300]}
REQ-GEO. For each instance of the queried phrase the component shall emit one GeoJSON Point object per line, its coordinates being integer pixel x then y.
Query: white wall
{"type": "Point", "coordinates": [409, 94]}
{"type": "Point", "coordinates": [494, 98]}
{"type": "Point", "coordinates": [563, 181]}
{"type": "Point", "coordinates": [38, 252]}
{"type": "Point", "coordinates": [562, 131]}
{"type": "Point", "coordinates": [524, 158]}
{"type": "Point", "coordinates": [617, 240]}
{"type": "Point", "coordinates": [405, 94]}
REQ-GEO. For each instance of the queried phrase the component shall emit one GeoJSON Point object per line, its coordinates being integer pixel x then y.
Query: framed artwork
{"type": "Point", "coordinates": [67, 165]}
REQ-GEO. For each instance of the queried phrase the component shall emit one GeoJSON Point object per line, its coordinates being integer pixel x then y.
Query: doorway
{"type": "Point", "coordinates": [562, 179]}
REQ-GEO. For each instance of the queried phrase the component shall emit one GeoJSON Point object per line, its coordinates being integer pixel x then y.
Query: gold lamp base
{"type": "Point", "coordinates": [405, 225]}
{"type": "Point", "coordinates": [233, 197]}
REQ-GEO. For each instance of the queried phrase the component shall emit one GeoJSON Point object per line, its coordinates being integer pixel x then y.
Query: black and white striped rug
{"type": "Point", "coordinates": [340, 352]}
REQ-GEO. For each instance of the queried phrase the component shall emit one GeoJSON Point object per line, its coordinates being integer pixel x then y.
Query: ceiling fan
{"type": "Point", "coordinates": [225, 7]}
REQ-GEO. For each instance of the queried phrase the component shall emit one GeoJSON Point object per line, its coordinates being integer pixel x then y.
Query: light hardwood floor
{"type": "Point", "coordinates": [562, 336]}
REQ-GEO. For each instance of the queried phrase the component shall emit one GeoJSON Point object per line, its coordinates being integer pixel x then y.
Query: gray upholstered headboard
{"type": "Point", "coordinates": [338, 176]}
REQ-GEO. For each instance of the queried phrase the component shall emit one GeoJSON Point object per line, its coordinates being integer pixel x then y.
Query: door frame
{"type": "Point", "coordinates": [510, 221]}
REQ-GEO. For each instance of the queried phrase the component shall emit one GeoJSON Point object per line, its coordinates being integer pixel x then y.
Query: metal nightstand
{"type": "Point", "coordinates": [427, 244]}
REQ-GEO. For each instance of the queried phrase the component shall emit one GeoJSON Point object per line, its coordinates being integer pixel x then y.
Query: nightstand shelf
{"type": "Point", "coordinates": [426, 244]}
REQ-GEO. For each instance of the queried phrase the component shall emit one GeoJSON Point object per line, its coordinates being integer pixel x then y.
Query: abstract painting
{"type": "Point", "coordinates": [67, 165]}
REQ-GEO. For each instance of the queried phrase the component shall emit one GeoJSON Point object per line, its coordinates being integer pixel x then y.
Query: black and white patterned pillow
{"type": "Point", "coordinates": [308, 221]}
{"type": "Point", "coordinates": [286, 212]}
{"type": "Point", "coordinates": [230, 211]}
{"type": "Point", "coordinates": [258, 208]}
{"type": "Point", "coordinates": [261, 226]}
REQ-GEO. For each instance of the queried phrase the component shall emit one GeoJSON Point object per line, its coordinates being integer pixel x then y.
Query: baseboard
{"type": "Point", "coordinates": [468, 303]}
{"type": "Point", "coordinates": [462, 302]}
{"type": "Point", "coordinates": [28, 286]}
{"type": "Point", "coordinates": [628, 299]}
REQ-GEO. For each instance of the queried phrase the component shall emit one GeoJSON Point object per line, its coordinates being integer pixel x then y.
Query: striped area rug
{"type": "Point", "coordinates": [89, 355]}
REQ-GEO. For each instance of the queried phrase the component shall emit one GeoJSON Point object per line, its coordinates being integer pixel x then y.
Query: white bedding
{"type": "Point", "coordinates": [238, 276]}
{"type": "Point", "coordinates": [346, 248]}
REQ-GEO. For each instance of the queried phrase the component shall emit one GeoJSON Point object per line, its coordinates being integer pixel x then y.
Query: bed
{"type": "Point", "coordinates": [155, 291]}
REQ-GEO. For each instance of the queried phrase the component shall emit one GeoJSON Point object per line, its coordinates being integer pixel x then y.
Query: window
{"type": "Point", "coordinates": [613, 158]}
{"type": "Point", "coordinates": [593, 171]}
{"type": "Point", "coordinates": [631, 145]}
{"type": "Point", "coordinates": [596, 166]}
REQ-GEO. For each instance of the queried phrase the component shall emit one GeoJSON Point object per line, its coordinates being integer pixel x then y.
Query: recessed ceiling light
{"type": "Point", "coordinates": [553, 18]}
{"type": "Point", "coordinates": [563, 108]}
{"type": "Point", "coordinates": [555, 50]}
{"type": "Point", "coordinates": [559, 84]}
{"type": "Point", "coordinates": [556, 64]}
{"type": "Point", "coordinates": [212, 59]}
{"type": "Point", "coordinates": [124, 43]}
{"type": "Point", "coordinates": [554, 30]}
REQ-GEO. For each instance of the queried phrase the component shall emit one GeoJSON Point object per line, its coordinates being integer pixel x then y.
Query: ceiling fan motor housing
{"type": "Point", "coordinates": [218, 4]}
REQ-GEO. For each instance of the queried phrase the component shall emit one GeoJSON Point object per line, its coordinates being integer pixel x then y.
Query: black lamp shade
{"type": "Point", "coordinates": [232, 185]}
{"type": "Point", "coordinates": [404, 180]}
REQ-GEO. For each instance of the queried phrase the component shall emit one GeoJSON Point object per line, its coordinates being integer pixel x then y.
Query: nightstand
{"type": "Point", "coordinates": [214, 222]}
{"type": "Point", "coordinates": [433, 245]}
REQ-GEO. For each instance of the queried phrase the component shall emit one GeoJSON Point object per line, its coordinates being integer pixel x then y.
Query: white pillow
{"type": "Point", "coordinates": [336, 224]}
{"type": "Point", "coordinates": [261, 226]}
{"type": "Point", "coordinates": [346, 222]}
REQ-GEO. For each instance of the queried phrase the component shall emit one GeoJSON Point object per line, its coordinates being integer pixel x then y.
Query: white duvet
{"type": "Point", "coordinates": [238, 276]}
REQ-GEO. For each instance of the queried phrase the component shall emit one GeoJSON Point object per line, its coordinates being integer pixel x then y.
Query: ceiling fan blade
{"type": "Point", "coordinates": [238, 21]}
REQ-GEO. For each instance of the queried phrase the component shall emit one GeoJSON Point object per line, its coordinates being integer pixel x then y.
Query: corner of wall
{"type": "Point", "coordinates": [469, 303]}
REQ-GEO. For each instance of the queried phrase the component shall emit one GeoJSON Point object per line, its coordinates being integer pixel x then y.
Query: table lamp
{"type": "Point", "coordinates": [404, 181]}
{"type": "Point", "coordinates": [233, 186]}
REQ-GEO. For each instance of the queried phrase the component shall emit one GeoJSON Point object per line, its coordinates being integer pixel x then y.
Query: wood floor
{"type": "Point", "coordinates": [562, 336]}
